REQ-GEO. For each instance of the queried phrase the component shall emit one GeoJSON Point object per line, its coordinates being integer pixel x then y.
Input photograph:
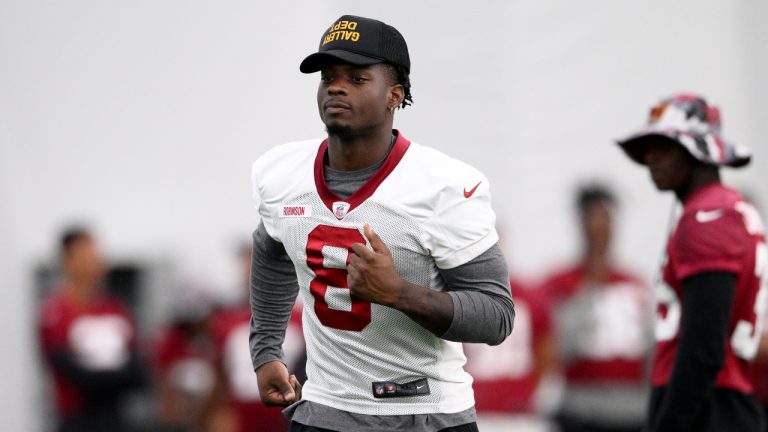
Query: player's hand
{"type": "Point", "coordinates": [371, 273]}
{"type": "Point", "coordinates": [276, 387]}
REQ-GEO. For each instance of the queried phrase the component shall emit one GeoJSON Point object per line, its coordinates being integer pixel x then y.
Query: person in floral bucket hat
{"type": "Point", "coordinates": [690, 121]}
{"type": "Point", "coordinates": [712, 288]}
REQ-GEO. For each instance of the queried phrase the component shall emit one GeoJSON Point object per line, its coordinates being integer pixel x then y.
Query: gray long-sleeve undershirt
{"type": "Point", "coordinates": [274, 288]}
{"type": "Point", "coordinates": [483, 311]}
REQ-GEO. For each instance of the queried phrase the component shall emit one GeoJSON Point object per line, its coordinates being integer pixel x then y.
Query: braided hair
{"type": "Point", "coordinates": [399, 75]}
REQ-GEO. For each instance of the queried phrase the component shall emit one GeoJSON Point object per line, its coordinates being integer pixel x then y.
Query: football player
{"type": "Point", "coordinates": [604, 318]}
{"type": "Point", "coordinates": [711, 293]}
{"type": "Point", "coordinates": [88, 340]}
{"type": "Point", "coordinates": [237, 391]}
{"type": "Point", "coordinates": [391, 246]}
{"type": "Point", "coordinates": [507, 377]}
{"type": "Point", "coordinates": [182, 360]}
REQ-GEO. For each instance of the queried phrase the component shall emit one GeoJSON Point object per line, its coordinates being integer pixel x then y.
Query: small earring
{"type": "Point", "coordinates": [391, 110]}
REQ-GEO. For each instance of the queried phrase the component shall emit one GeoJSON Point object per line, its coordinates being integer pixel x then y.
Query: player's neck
{"type": "Point", "coordinates": [596, 265]}
{"type": "Point", "coordinates": [81, 291]}
{"type": "Point", "coordinates": [354, 152]}
{"type": "Point", "coordinates": [701, 177]}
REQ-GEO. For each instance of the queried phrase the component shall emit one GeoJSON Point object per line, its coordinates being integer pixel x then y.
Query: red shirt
{"type": "Point", "coordinates": [186, 360]}
{"type": "Point", "coordinates": [718, 231]}
{"type": "Point", "coordinates": [231, 330]}
{"type": "Point", "coordinates": [99, 337]}
{"type": "Point", "coordinates": [505, 375]}
{"type": "Point", "coordinates": [760, 383]}
{"type": "Point", "coordinates": [607, 332]}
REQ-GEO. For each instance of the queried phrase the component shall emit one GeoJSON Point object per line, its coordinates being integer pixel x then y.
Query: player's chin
{"type": "Point", "coordinates": [660, 182]}
{"type": "Point", "coordinates": [661, 187]}
{"type": "Point", "coordinates": [338, 128]}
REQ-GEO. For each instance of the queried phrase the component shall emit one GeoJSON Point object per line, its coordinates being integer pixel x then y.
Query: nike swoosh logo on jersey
{"type": "Point", "coordinates": [420, 387]}
{"type": "Point", "coordinates": [708, 216]}
{"type": "Point", "coordinates": [472, 191]}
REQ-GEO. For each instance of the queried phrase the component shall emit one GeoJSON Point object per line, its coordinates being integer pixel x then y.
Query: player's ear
{"type": "Point", "coordinates": [396, 95]}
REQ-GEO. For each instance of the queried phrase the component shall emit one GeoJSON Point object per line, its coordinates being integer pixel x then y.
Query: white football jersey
{"type": "Point", "coordinates": [432, 212]}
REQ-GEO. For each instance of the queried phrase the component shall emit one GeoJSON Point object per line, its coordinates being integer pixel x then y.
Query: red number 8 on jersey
{"type": "Point", "coordinates": [359, 316]}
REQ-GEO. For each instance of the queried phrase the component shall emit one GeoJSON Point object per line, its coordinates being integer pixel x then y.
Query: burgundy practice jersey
{"type": "Point", "coordinates": [505, 377]}
{"type": "Point", "coordinates": [231, 328]}
{"type": "Point", "coordinates": [99, 336]}
{"type": "Point", "coordinates": [717, 232]}
{"type": "Point", "coordinates": [603, 326]}
{"type": "Point", "coordinates": [187, 362]}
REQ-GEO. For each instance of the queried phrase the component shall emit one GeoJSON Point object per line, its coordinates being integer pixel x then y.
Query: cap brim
{"type": "Point", "coordinates": [740, 161]}
{"type": "Point", "coordinates": [315, 62]}
{"type": "Point", "coordinates": [635, 145]}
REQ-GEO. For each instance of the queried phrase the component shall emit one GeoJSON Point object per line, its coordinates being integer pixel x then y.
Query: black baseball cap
{"type": "Point", "coordinates": [359, 41]}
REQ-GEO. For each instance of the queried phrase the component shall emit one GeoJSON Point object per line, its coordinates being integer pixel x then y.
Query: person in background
{"type": "Point", "coordinates": [760, 372]}
{"type": "Point", "coordinates": [507, 376]}
{"type": "Point", "coordinates": [88, 341]}
{"type": "Point", "coordinates": [603, 328]}
{"type": "Point", "coordinates": [183, 360]}
{"type": "Point", "coordinates": [236, 401]}
{"type": "Point", "coordinates": [712, 291]}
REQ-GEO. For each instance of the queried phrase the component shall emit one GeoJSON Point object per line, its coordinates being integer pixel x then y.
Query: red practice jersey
{"type": "Point", "coordinates": [717, 232]}
{"type": "Point", "coordinates": [231, 329]}
{"type": "Point", "coordinates": [99, 336]}
{"type": "Point", "coordinates": [505, 377]}
{"type": "Point", "coordinates": [603, 327]}
{"type": "Point", "coordinates": [187, 361]}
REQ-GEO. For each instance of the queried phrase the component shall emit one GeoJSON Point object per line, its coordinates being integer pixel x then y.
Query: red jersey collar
{"type": "Point", "coordinates": [696, 195]}
{"type": "Point", "coordinates": [369, 187]}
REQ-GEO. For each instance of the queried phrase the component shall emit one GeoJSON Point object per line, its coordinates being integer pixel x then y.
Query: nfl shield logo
{"type": "Point", "coordinates": [340, 209]}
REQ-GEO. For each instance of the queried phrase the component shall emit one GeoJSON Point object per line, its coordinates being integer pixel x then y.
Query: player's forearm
{"type": "Point", "coordinates": [431, 309]}
{"type": "Point", "coordinates": [273, 293]}
{"type": "Point", "coordinates": [457, 316]}
{"type": "Point", "coordinates": [476, 306]}
{"type": "Point", "coordinates": [701, 350]}
{"type": "Point", "coordinates": [480, 318]}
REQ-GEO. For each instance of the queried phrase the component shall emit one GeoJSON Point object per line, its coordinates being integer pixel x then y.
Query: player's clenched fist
{"type": "Point", "coordinates": [276, 387]}
{"type": "Point", "coordinates": [372, 276]}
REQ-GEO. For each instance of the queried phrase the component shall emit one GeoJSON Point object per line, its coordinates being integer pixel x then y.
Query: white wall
{"type": "Point", "coordinates": [143, 118]}
{"type": "Point", "coordinates": [586, 73]}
